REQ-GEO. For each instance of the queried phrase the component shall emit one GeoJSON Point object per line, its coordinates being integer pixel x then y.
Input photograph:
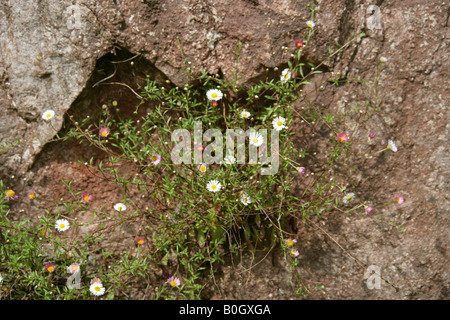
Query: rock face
{"type": "Point", "coordinates": [49, 50]}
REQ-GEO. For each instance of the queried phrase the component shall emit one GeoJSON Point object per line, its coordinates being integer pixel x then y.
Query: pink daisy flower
{"type": "Point", "coordinates": [49, 267]}
{"type": "Point", "coordinates": [174, 281]}
{"type": "Point", "coordinates": [342, 137]}
{"type": "Point", "coordinates": [199, 147]}
{"type": "Point", "coordinates": [214, 103]}
{"type": "Point", "coordinates": [140, 241]}
{"type": "Point", "coordinates": [301, 170]}
{"type": "Point", "coordinates": [369, 210]}
{"type": "Point", "coordinates": [294, 253]}
{"type": "Point", "coordinates": [10, 195]}
{"type": "Point", "coordinates": [104, 132]}
{"type": "Point", "coordinates": [31, 195]}
{"type": "Point", "coordinates": [74, 268]}
{"type": "Point", "coordinates": [156, 158]}
{"type": "Point", "coordinates": [95, 280]}
{"type": "Point", "coordinates": [86, 197]}
{"type": "Point", "coordinates": [299, 44]}
{"type": "Point", "coordinates": [399, 198]}
{"type": "Point", "coordinates": [371, 135]}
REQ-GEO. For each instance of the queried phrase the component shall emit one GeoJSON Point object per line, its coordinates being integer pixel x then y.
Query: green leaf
{"type": "Point", "coordinates": [110, 296]}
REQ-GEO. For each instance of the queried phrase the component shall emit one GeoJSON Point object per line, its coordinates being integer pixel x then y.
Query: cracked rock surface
{"type": "Point", "coordinates": [49, 50]}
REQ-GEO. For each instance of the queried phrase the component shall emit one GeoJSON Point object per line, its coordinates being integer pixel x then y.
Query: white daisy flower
{"type": "Point", "coordinates": [286, 75]}
{"type": "Point", "coordinates": [62, 225]}
{"type": "Point", "coordinates": [383, 59]}
{"type": "Point", "coordinates": [256, 139]}
{"type": "Point", "coordinates": [245, 114]}
{"type": "Point", "coordinates": [47, 115]}
{"type": "Point", "coordinates": [245, 199]}
{"type": "Point", "coordinates": [279, 123]}
{"type": "Point", "coordinates": [214, 186]}
{"type": "Point", "coordinates": [97, 289]}
{"type": "Point", "coordinates": [310, 24]}
{"type": "Point", "coordinates": [120, 207]}
{"type": "Point", "coordinates": [156, 158]}
{"type": "Point", "coordinates": [348, 197]}
{"type": "Point", "coordinates": [214, 94]}
{"type": "Point", "coordinates": [1, 279]}
{"type": "Point", "coordinates": [392, 146]}
{"type": "Point", "coordinates": [202, 167]}
{"type": "Point", "coordinates": [230, 159]}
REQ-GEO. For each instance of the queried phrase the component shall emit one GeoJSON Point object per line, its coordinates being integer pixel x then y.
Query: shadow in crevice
{"type": "Point", "coordinates": [118, 77]}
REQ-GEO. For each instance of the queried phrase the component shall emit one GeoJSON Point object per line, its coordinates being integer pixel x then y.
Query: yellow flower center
{"type": "Point", "coordinates": [255, 140]}
{"type": "Point", "coordinates": [62, 226]}
{"type": "Point", "coordinates": [154, 158]}
{"type": "Point", "coordinates": [48, 115]}
{"type": "Point", "coordinates": [213, 187]}
{"type": "Point", "coordinates": [289, 243]}
{"type": "Point", "coordinates": [286, 75]}
{"type": "Point", "coordinates": [97, 288]}
{"type": "Point", "coordinates": [32, 195]}
{"type": "Point", "coordinates": [173, 283]}
{"type": "Point", "coordinates": [10, 193]}
{"type": "Point", "coordinates": [140, 242]}
{"type": "Point", "coordinates": [349, 198]}
{"type": "Point", "coordinates": [244, 115]}
{"type": "Point", "coordinates": [50, 269]}
{"type": "Point", "coordinates": [74, 268]}
{"type": "Point", "coordinates": [214, 95]}
{"type": "Point", "coordinates": [202, 168]}
{"type": "Point", "coordinates": [119, 208]}
{"type": "Point", "coordinates": [104, 133]}
{"type": "Point", "coordinates": [279, 123]}
{"type": "Point", "coordinates": [86, 198]}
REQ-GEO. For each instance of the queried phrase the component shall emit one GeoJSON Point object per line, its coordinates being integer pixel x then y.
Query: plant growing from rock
{"type": "Point", "coordinates": [190, 216]}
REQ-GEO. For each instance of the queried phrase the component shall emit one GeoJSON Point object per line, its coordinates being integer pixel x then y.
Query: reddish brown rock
{"type": "Point", "coordinates": [49, 51]}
